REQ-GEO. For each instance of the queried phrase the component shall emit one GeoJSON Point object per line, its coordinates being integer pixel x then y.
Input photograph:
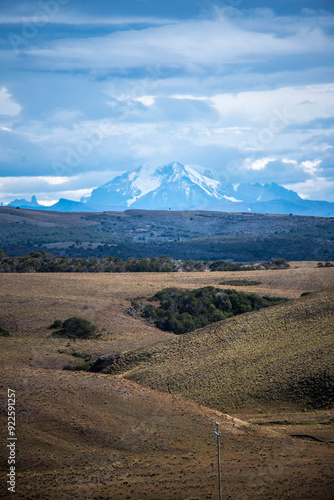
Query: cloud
{"type": "Point", "coordinates": [181, 44]}
{"type": "Point", "coordinates": [279, 107]}
{"type": "Point", "coordinates": [314, 189]}
{"type": "Point", "coordinates": [7, 105]}
{"type": "Point", "coordinates": [260, 164]}
{"type": "Point", "coordinates": [50, 188]}
{"type": "Point", "coordinates": [311, 167]}
{"type": "Point", "coordinates": [287, 161]}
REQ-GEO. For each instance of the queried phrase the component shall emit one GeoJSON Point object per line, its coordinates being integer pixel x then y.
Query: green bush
{"type": "Point", "coordinates": [76, 328]}
{"type": "Point", "coordinates": [55, 324]}
{"type": "Point", "coordinates": [275, 264]}
{"type": "Point", "coordinates": [4, 332]}
{"type": "Point", "coordinates": [182, 311]}
{"type": "Point", "coordinates": [221, 265]}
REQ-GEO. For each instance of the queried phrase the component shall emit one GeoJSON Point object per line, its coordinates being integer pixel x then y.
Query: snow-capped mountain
{"type": "Point", "coordinates": [178, 187]}
{"type": "Point", "coordinates": [172, 186]}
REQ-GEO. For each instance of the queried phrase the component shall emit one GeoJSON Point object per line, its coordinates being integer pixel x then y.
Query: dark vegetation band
{"type": "Point", "coordinates": [48, 263]}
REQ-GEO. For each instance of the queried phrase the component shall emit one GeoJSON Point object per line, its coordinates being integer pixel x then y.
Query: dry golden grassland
{"type": "Point", "coordinates": [264, 359]}
{"type": "Point", "coordinates": [89, 435]}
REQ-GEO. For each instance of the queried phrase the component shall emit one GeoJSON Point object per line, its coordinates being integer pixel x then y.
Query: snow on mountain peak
{"type": "Point", "coordinates": [178, 187]}
{"type": "Point", "coordinates": [210, 186]}
{"type": "Point", "coordinates": [145, 180]}
{"type": "Point", "coordinates": [171, 184]}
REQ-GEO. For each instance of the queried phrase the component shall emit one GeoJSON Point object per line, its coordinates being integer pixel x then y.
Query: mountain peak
{"type": "Point", "coordinates": [178, 187]}
{"type": "Point", "coordinates": [169, 186]}
{"type": "Point", "coordinates": [171, 170]}
{"type": "Point", "coordinates": [185, 187]}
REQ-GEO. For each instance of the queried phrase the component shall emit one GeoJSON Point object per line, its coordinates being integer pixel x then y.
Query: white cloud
{"type": "Point", "coordinates": [181, 44]}
{"type": "Point", "coordinates": [51, 188]}
{"type": "Point", "coordinates": [54, 181]}
{"type": "Point", "coordinates": [289, 162]}
{"type": "Point", "coordinates": [310, 167]}
{"type": "Point", "coordinates": [188, 96]}
{"type": "Point", "coordinates": [259, 164]}
{"type": "Point", "coordinates": [318, 188]}
{"type": "Point", "coordinates": [47, 203]}
{"type": "Point", "coordinates": [147, 100]}
{"type": "Point", "coordinates": [7, 105]}
{"type": "Point", "coordinates": [75, 194]}
{"type": "Point", "coordinates": [228, 130]}
{"type": "Point", "coordinates": [278, 108]}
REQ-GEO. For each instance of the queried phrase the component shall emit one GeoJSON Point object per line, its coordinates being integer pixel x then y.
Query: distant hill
{"type": "Point", "coordinates": [268, 358]}
{"type": "Point", "coordinates": [178, 187]}
{"type": "Point", "coordinates": [64, 205]}
{"type": "Point", "coordinates": [197, 235]}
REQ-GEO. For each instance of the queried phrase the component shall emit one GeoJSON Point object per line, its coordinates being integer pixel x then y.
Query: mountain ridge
{"type": "Point", "coordinates": [172, 186]}
{"type": "Point", "coordinates": [178, 187]}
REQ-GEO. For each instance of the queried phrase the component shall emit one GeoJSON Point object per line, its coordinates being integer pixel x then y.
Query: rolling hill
{"type": "Point", "coordinates": [278, 356]}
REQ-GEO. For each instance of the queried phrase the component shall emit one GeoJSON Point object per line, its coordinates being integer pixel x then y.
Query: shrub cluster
{"type": "Point", "coordinates": [44, 262]}
{"type": "Point", "coordinates": [221, 265]}
{"type": "Point", "coordinates": [4, 332]}
{"type": "Point", "coordinates": [48, 263]}
{"type": "Point", "coordinates": [74, 328]}
{"type": "Point", "coordinates": [275, 264]}
{"type": "Point", "coordinates": [182, 311]}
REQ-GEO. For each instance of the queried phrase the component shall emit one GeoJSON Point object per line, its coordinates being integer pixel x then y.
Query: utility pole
{"type": "Point", "coordinates": [217, 432]}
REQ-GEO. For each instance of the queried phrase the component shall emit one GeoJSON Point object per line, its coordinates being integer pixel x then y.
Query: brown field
{"type": "Point", "coordinates": [87, 435]}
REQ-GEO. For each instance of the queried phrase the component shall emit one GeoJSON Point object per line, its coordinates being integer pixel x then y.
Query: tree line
{"type": "Point", "coordinates": [43, 262]}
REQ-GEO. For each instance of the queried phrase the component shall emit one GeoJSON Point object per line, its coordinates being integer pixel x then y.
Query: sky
{"type": "Point", "coordinates": [90, 90]}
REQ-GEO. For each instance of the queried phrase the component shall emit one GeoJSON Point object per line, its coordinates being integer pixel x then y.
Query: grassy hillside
{"type": "Point", "coordinates": [278, 356]}
{"type": "Point", "coordinates": [89, 436]}
{"type": "Point", "coordinates": [96, 436]}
